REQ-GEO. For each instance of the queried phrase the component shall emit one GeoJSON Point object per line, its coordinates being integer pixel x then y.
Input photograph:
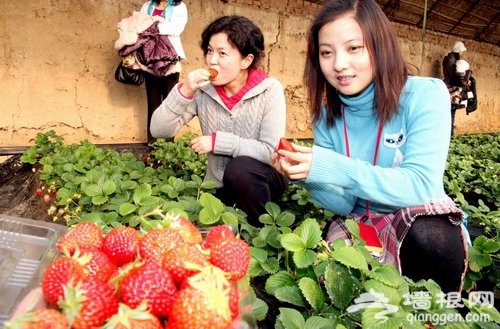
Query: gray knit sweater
{"type": "Point", "coordinates": [252, 128]}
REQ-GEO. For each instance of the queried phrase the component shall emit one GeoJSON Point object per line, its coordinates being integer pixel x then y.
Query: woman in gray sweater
{"type": "Point", "coordinates": [241, 111]}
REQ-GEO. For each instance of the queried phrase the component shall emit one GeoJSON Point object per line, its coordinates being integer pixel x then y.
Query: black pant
{"type": "Point", "coordinates": [249, 184]}
{"type": "Point", "coordinates": [433, 249]}
{"type": "Point", "coordinates": [157, 89]}
{"type": "Point", "coordinates": [453, 112]}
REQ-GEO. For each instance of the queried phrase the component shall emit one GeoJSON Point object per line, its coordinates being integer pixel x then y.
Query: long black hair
{"type": "Point", "coordinates": [390, 69]}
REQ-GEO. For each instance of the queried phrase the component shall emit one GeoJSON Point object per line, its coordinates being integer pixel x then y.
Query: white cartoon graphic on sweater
{"type": "Point", "coordinates": [396, 141]}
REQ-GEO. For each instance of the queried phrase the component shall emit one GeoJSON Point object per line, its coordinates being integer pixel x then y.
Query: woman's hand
{"type": "Point", "coordinates": [32, 301]}
{"type": "Point", "coordinates": [202, 144]}
{"type": "Point", "coordinates": [195, 80]}
{"type": "Point", "coordinates": [294, 165]}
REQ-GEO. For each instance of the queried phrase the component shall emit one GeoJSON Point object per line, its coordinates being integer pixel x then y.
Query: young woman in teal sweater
{"type": "Point", "coordinates": [381, 140]}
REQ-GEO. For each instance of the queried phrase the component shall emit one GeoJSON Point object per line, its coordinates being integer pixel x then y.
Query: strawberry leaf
{"type": "Point", "coordinates": [212, 210]}
{"type": "Point", "coordinates": [350, 256]}
{"type": "Point", "coordinates": [304, 258]}
{"type": "Point", "coordinates": [387, 274]}
{"type": "Point", "coordinates": [291, 319]}
{"type": "Point", "coordinates": [312, 293]}
{"type": "Point", "coordinates": [126, 208]}
{"type": "Point", "coordinates": [290, 295]}
{"type": "Point", "coordinates": [309, 232]}
{"type": "Point", "coordinates": [292, 242]}
{"type": "Point", "coordinates": [340, 284]}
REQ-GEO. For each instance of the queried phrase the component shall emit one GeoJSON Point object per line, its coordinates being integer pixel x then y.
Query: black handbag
{"type": "Point", "coordinates": [129, 76]}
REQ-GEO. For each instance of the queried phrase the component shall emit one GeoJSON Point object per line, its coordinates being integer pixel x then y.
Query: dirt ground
{"type": "Point", "coordinates": [18, 184]}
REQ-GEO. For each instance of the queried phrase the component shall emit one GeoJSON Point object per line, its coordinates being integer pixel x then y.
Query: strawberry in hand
{"type": "Point", "coordinates": [284, 144]}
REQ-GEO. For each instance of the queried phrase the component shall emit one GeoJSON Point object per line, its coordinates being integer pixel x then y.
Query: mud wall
{"type": "Point", "coordinates": [57, 67]}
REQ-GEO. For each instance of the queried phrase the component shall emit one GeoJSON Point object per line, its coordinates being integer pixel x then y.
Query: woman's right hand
{"type": "Point", "coordinates": [195, 80]}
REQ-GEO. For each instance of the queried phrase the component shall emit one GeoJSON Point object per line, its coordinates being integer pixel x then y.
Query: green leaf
{"type": "Point", "coordinates": [310, 232]}
{"type": "Point", "coordinates": [317, 322]}
{"type": "Point", "coordinates": [292, 242]}
{"type": "Point", "coordinates": [312, 293]}
{"type": "Point", "coordinates": [390, 293]}
{"type": "Point", "coordinates": [63, 194]}
{"type": "Point", "coordinates": [126, 208]}
{"type": "Point", "coordinates": [387, 274]}
{"type": "Point", "coordinates": [259, 309]}
{"type": "Point", "coordinates": [212, 209]}
{"type": "Point", "coordinates": [99, 200]}
{"type": "Point", "coordinates": [351, 257]}
{"type": "Point", "coordinates": [304, 258]}
{"type": "Point", "coordinates": [291, 319]}
{"type": "Point", "coordinates": [259, 254]}
{"type": "Point", "coordinates": [290, 295]}
{"type": "Point", "coordinates": [273, 209]}
{"type": "Point", "coordinates": [285, 219]}
{"type": "Point", "coordinates": [271, 265]}
{"type": "Point", "coordinates": [278, 280]}
{"type": "Point", "coordinates": [93, 190]}
{"type": "Point", "coordinates": [142, 192]}
{"type": "Point", "coordinates": [108, 187]}
{"type": "Point", "coordinates": [340, 284]}
{"type": "Point", "coordinates": [386, 318]}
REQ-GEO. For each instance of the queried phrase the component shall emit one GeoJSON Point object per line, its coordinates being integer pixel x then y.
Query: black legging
{"type": "Point", "coordinates": [249, 184]}
{"type": "Point", "coordinates": [433, 249]}
{"type": "Point", "coordinates": [157, 89]}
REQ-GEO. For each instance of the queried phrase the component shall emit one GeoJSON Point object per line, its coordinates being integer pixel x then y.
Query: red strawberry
{"type": "Point", "coordinates": [189, 232]}
{"type": "Point", "coordinates": [216, 234]}
{"type": "Point", "coordinates": [61, 272]}
{"type": "Point", "coordinates": [121, 244]}
{"type": "Point", "coordinates": [39, 192]}
{"type": "Point", "coordinates": [179, 261]}
{"type": "Point", "coordinates": [128, 318]}
{"type": "Point", "coordinates": [152, 283]}
{"type": "Point", "coordinates": [83, 234]}
{"type": "Point", "coordinates": [98, 265]}
{"type": "Point", "coordinates": [203, 303]}
{"type": "Point", "coordinates": [284, 144]}
{"type": "Point", "coordinates": [89, 304]}
{"type": "Point", "coordinates": [213, 73]}
{"type": "Point", "coordinates": [158, 241]}
{"type": "Point", "coordinates": [44, 318]}
{"type": "Point", "coordinates": [232, 256]}
{"type": "Point", "coordinates": [234, 301]}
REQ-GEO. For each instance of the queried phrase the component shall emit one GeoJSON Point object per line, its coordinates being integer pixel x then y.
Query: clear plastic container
{"type": "Point", "coordinates": [27, 247]}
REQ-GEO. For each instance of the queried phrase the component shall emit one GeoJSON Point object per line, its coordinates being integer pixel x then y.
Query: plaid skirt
{"type": "Point", "coordinates": [393, 227]}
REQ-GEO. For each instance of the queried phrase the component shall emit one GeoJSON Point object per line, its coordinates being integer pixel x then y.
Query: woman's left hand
{"type": "Point", "coordinates": [202, 144]}
{"type": "Point", "coordinates": [294, 165]}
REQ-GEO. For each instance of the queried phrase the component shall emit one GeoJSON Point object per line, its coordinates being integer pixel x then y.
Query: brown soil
{"type": "Point", "coordinates": [18, 184]}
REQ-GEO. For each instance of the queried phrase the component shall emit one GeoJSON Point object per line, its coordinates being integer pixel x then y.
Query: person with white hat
{"type": "Point", "coordinates": [453, 81]}
{"type": "Point", "coordinates": [449, 61]}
